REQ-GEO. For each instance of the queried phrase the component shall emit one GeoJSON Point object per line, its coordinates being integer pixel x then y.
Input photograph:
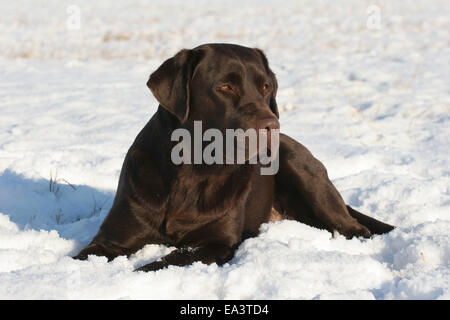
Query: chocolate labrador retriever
{"type": "Point", "coordinates": [206, 211]}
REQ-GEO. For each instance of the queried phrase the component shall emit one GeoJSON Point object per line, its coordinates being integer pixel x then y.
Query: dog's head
{"type": "Point", "coordinates": [223, 85]}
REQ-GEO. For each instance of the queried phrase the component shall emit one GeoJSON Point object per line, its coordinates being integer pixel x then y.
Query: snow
{"type": "Point", "coordinates": [371, 104]}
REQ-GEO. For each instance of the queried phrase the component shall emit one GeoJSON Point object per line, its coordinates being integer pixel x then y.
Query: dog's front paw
{"type": "Point", "coordinates": [80, 256]}
{"type": "Point", "coordinates": [353, 229]}
{"type": "Point", "coordinates": [154, 266]}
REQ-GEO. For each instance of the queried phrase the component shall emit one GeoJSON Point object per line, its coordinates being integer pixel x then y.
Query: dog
{"type": "Point", "coordinates": [207, 210]}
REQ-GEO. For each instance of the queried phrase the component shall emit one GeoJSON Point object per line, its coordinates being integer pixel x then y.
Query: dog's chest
{"type": "Point", "coordinates": [196, 201]}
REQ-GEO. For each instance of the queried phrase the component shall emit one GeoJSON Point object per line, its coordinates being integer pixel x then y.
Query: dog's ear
{"type": "Point", "coordinates": [273, 101]}
{"type": "Point", "coordinates": [170, 83]}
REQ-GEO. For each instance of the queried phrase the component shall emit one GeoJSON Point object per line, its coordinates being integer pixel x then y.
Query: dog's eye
{"type": "Point", "coordinates": [266, 87]}
{"type": "Point", "coordinates": [225, 87]}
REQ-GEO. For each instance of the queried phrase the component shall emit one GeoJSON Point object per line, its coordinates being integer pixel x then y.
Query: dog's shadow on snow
{"type": "Point", "coordinates": [75, 211]}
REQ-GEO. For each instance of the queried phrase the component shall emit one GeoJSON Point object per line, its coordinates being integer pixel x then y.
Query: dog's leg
{"type": "Point", "coordinates": [304, 192]}
{"type": "Point", "coordinates": [104, 249]}
{"type": "Point", "coordinates": [185, 256]}
{"type": "Point", "coordinates": [375, 226]}
{"type": "Point", "coordinates": [96, 250]}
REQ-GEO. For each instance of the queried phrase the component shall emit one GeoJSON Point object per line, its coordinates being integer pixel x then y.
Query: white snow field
{"type": "Point", "coordinates": [365, 85]}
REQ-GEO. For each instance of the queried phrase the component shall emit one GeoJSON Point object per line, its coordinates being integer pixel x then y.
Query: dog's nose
{"type": "Point", "coordinates": [268, 124]}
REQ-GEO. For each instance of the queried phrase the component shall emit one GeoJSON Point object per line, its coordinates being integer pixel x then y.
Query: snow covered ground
{"type": "Point", "coordinates": [365, 85]}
